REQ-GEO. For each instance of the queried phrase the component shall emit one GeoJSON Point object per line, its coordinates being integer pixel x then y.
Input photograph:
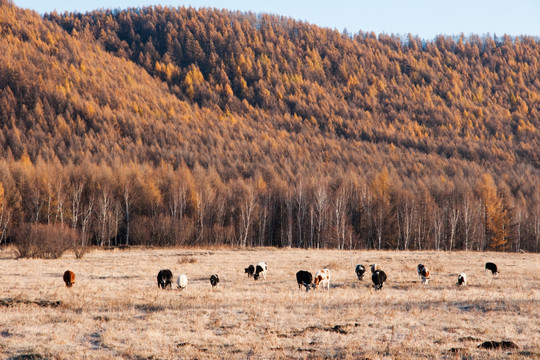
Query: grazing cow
{"type": "Point", "coordinates": [419, 269]}
{"type": "Point", "coordinates": [378, 278]}
{"type": "Point", "coordinates": [423, 273]}
{"type": "Point", "coordinates": [322, 277]}
{"type": "Point", "coordinates": [462, 279]}
{"type": "Point", "coordinates": [164, 278]}
{"type": "Point", "coordinates": [304, 278]}
{"type": "Point", "coordinates": [69, 278]}
{"type": "Point", "coordinates": [375, 267]}
{"type": "Point", "coordinates": [214, 280]}
{"type": "Point", "coordinates": [260, 269]}
{"type": "Point", "coordinates": [182, 281]}
{"type": "Point", "coordinates": [491, 267]}
{"type": "Point", "coordinates": [360, 270]}
{"type": "Point", "coordinates": [250, 270]}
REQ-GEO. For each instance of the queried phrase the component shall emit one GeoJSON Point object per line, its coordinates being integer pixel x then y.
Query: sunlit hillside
{"type": "Point", "coordinates": [467, 98]}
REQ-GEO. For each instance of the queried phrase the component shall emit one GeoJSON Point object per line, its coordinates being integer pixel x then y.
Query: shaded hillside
{"type": "Point", "coordinates": [174, 126]}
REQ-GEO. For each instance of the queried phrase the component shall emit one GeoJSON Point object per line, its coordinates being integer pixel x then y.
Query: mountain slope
{"type": "Point", "coordinates": [63, 96]}
{"type": "Point", "coordinates": [263, 92]}
{"type": "Point", "coordinates": [471, 98]}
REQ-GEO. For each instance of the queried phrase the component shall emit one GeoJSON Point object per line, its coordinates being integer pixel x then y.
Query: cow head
{"type": "Point", "coordinates": [317, 281]}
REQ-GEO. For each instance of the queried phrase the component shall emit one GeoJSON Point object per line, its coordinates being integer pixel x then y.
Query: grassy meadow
{"type": "Point", "coordinates": [115, 309]}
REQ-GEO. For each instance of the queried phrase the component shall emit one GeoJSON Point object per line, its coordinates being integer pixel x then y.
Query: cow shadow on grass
{"type": "Point", "coordinates": [433, 285]}
{"type": "Point", "coordinates": [204, 279]}
{"type": "Point", "coordinates": [115, 277]}
{"type": "Point", "coordinates": [92, 277]}
{"type": "Point", "coordinates": [478, 306]}
{"type": "Point", "coordinates": [351, 285]}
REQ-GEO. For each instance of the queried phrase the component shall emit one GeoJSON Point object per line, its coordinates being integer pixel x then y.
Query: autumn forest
{"type": "Point", "coordinates": [174, 126]}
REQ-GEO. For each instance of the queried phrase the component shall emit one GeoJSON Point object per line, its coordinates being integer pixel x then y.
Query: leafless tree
{"type": "Point", "coordinates": [453, 217]}
{"type": "Point", "coordinates": [300, 199]}
{"type": "Point", "coordinates": [247, 210]}
{"type": "Point", "coordinates": [321, 209]}
{"type": "Point", "coordinates": [289, 204]}
{"type": "Point", "coordinates": [340, 215]}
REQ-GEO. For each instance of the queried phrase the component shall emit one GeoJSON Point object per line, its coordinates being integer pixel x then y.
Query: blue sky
{"type": "Point", "coordinates": [426, 18]}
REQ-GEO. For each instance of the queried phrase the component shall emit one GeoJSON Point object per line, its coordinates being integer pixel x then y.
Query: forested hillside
{"type": "Point", "coordinates": [175, 126]}
{"type": "Point", "coordinates": [470, 99]}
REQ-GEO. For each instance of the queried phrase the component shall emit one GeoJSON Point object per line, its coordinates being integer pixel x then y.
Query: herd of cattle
{"type": "Point", "coordinates": [303, 277]}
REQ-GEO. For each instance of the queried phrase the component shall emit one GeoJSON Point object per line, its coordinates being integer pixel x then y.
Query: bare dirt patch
{"type": "Point", "coordinates": [9, 302]}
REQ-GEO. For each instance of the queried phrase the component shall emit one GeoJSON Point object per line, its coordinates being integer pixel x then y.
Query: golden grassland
{"type": "Point", "coordinates": [115, 309]}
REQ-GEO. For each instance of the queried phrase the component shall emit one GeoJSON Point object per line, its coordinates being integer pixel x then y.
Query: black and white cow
{"type": "Point", "coordinates": [462, 279]}
{"type": "Point", "coordinates": [378, 278]}
{"type": "Point", "coordinates": [360, 270]}
{"type": "Point", "coordinates": [304, 278]}
{"type": "Point", "coordinates": [491, 267]}
{"type": "Point", "coordinates": [164, 278]}
{"type": "Point", "coordinates": [375, 267]}
{"type": "Point", "coordinates": [260, 270]}
{"type": "Point", "coordinates": [250, 270]}
{"type": "Point", "coordinates": [423, 273]}
{"type": "Point", "coordinates": [214, 280]}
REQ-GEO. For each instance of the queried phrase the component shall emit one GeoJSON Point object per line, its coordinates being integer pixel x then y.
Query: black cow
{"type": "Point", "coordinates": [214, 280]}
{"type": "Point", "coordinates": [304, 278]}
{"type": "Point", "coordinates": [378, 278]}
{"type": "Point", "coordinates": [250, 270]}
{"type": "Point", "coordinates": [360, 270]}
{"type": "Point", "coordinates": [491, 267]}
{"type": "Point", "coordinates": [164, 278]}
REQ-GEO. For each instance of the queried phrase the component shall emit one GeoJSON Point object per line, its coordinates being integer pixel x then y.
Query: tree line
{"type": "Point", "coordinates": [133, 204]}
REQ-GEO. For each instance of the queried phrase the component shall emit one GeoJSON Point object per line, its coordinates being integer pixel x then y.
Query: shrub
{"type": "Point", "coordinates": [187, 260]}
{"type": "Point", "coordinates": [80, 250]}
{"type": "Point", "coordinates": [44, 241]}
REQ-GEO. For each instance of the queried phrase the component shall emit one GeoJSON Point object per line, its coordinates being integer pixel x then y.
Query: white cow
{"type": "Point", "coordinates": [182, 281]}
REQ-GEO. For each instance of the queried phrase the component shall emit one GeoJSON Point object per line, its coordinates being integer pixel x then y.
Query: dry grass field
{"type": "Point", "coordinates": [115, 309]}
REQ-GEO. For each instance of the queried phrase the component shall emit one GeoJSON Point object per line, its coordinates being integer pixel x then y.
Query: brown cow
{"type": "Point", "coordinates": [322, 277]}
{"type": "Point", "coordinates": [69, 278]}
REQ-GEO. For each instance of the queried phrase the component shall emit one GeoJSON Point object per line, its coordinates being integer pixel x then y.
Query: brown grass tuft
{"type": "Point", "coordinates": [187, 260]}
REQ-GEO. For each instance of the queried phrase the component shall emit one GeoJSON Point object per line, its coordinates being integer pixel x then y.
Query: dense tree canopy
{"type": "Point", "coordinates": [175, 125]}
